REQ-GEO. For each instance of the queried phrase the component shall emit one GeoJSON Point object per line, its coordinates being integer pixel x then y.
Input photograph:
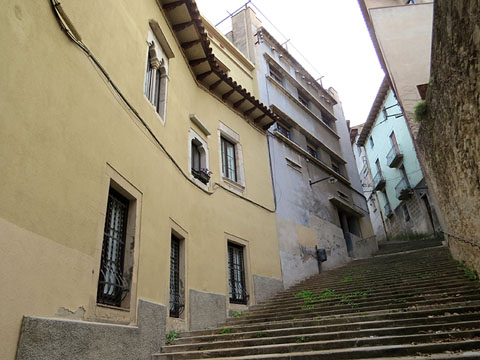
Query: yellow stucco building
{"type": "Point", "coordinates": [136, 188]}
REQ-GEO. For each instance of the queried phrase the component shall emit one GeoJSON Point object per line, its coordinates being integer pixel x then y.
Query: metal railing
{"type": "Point", "coordinates": [393, 155]}
{"type": "Point", "coordinates": [377, 179]}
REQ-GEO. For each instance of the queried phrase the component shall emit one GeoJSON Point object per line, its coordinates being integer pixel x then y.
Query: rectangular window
{"type": "Point", "coordinates": [176, 306]}
{"type": "Point", "coordinates": [229, 162]}
{"type": "Point", "coordinates": [303, 98]}
{"type": "Point", "coordinates": [236, 275]}
{"type": "Point", "coordinates": [275, 73]}
{"type": "Point", "coordinates": [371, 142]}
{"type": "Point", "coordinates": [379, 169]}
{"type": "Point", "coordinates": [327, 120]}
{"type": "Point", "coordinates": [156, 75]}
{"type": "Point", "coordinates": [284, 130]}
{"type": "Point", "coordinates": [112, 284]}
{"type": "Point", "coordinates": [336, 166]}
{"type": "Point", "coordinates": [406, 214]}
{"type": "Point", "coordinates": [393, 140]}
{"type": "Point", "coordinates": [312, 151]}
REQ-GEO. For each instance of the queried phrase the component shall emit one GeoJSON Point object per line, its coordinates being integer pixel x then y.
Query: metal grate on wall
{"type": "Point", "coordinates": [236, 275]}
{"type": "Point", "coordinates": [112, 285]}
{"type": "Point", "coordinates": [176, 303]}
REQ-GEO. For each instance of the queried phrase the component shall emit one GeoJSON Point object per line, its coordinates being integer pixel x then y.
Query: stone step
{"type": "Point", "coordinates": [347, 345]}
{"type": "Point", "coordinates": [356, 308]}
{"type": "Point", "coordinates": [413, 317]}
{"type": "Point", "coordinates": [355, 326]}
{"type": "Point", "coordinates": [387, 284]}
{"type": "Point", "coordinates": [263, 338]}
{"type": "Point", "coordinates": [392, 352]}
{"type": "Point", "coordinates": [400, 296]}
{"type": "Point", "coordinates": [318, 309]}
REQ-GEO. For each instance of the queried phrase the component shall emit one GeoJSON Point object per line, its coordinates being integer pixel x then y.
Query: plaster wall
{"type": "Point", "coordinates": [404, 34]}
{"type": "Point", "coordinates": [63, 128]}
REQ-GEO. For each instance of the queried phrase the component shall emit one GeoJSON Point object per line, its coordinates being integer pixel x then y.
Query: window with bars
{"type": "Point", "coordinates": [176, 303]}
{"type": "Point", "coordinates": [113, 286]}
{"type": "Point", "coordinates": [229, 161]}
{"type": "Point", "coordinates": [236, 275]}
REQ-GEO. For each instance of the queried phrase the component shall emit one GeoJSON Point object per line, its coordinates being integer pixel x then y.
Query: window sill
{"type": "Point", "coordinates": [233, 185]}
{"type": "Point", "coordinates": [154, 110]}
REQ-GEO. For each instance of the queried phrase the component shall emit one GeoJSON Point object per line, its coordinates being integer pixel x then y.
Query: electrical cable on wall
{"type": "Point", "coordinates": [69, 29]}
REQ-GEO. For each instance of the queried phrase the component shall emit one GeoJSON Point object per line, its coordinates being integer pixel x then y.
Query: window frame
{"type": "Point", "coordinates": [233, 293]}
{"type": "Point", "coordinates": [275, 73]}
{"type": "Point", "coordinates": [127, 311]}
{"type": "Point", "coordinates": [224, 144]}
{"type": "Point", "coordinates": [303, 98]}
{"type": "Point", "coordinates": [156, 75]}
{"type": "Point", "coordinates": [196, 141]}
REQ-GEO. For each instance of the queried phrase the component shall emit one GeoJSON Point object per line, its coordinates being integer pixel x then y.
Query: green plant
{"type": "Point", "coordinates": [171, 336]}
{"type": "Point", "coordinates": [239, 314]}
{"type": "Point", "coordinates": [421, 110]}
{"type": "Point", "coordinates": [260, 334]}
{"type": "Point", "coordinates": [468, 273]}
{"type": "Point", "coordinates": [226, 330]}
{"type": "Point", "coordinates": [347, 278]}
{"type": "Point", "coordinates": [301, 339]}
{"type": "Point", "coordinates": [308, 307]}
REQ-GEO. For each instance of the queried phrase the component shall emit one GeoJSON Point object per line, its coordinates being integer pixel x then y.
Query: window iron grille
{"type": "Point", "coordinates": [176, 303]}
{"type": "Point", "coordinates": [236, 275]}
{"type": "Point", "coordinates": [112, 284]}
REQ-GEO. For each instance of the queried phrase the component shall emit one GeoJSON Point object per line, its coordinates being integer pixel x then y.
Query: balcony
{"type": "Point", "coordinates": [387, 209]}
{"type": "Point", "coordinates": [378, 182]}
{"type": "Point", "coordinates": [403, 190]}
{"type": "Point", "coordinates": [394, 157]}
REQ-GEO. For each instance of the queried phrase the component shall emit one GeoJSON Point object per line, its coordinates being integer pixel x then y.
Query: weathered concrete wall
{"type": "Point", "coordinates": [52, 339]}
{"type": "Point", "coordinates": [449, 139]}
{"type": "Point", "coordinates": [206, 309]}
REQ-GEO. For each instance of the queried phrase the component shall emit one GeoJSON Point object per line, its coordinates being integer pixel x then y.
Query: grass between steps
{"type": "Point", "coordinates": [309, 297]}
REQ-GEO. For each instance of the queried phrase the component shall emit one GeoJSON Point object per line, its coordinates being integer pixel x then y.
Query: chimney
{"type": "Point", "coordinates": [244, 28]}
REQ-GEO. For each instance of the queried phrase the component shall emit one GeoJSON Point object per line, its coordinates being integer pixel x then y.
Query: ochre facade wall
{"type": "Point", "coordinates": [449, 139]}
{"type": "Point", "coordinates": [63, 129]}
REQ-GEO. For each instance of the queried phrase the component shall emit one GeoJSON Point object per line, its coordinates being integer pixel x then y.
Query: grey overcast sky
{"type": "Point", "coordinates": [330, 34]}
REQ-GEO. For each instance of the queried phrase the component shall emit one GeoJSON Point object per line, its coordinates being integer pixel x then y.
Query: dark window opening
{"type": "Point", "coordinates": [406, 214]}
{"type": "Point", "coordinates": [336, 167]}
{"type": "Point", "coordinates": [176, 303]}
{"type": "Point", "coordinates": [229, 161]}
{"type": "Point", "coordinates": [276, 74]}
{"type": "Point", "coordinates": [327, 120]}
{"type": "Point", "coordinates": [153, 79]}
{"type": "Point", "coordinates": [112, 284]}
{"type": "Point", "coordinates": [312, 151]}
{"type": "Point", "coordinates": [372, 144]}
{"type": "Point", "coordinates": [284, 130]}
{"type": "Point", "coordinates": [236, 275]}
{"type": "Point", "coordinates": [303, 98]}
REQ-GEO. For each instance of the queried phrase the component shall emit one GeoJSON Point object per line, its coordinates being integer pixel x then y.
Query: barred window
{"type": "Point", "coordinates": [176, 303]}
{"type": "Point", "coordinates": [113, 286]}
{"type": "Point", "coordinates": [236, 275]}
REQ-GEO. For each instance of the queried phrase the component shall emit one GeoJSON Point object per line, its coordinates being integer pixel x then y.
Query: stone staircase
{"type": "Point", "coordinates": [412, 305]}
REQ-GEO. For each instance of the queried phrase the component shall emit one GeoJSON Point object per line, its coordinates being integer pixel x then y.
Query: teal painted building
{"type": "Point", "coordinates": [397, 178]}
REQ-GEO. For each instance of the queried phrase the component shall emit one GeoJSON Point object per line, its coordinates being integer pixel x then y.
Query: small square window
{"type": "Point", "coordinates": [372, 144]}
{"type": "Point", "coordinates": [336, 166]}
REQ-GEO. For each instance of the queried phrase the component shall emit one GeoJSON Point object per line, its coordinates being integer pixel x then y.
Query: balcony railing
{"type": "Point", "coordinates": [403, 190]}
{"type": "Point", "coordinates": [387, 210]}
{"type": "Point", "coordinates": [378, 182]}
{"type": "Point", "coordinates": [394, 157]}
